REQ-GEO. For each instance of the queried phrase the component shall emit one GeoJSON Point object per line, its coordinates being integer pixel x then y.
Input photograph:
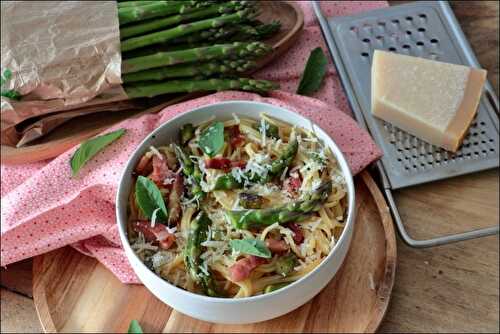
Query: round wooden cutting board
{"type": "Point", "coordinates": [74, 293]}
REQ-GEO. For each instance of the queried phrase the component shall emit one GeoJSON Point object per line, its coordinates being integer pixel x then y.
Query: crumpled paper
{"type": "Point", "coordinates": [61, 55]}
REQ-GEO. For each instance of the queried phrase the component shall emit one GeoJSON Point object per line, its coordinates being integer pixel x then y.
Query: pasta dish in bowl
{"type": "Point", "coordinates": [235, 205]}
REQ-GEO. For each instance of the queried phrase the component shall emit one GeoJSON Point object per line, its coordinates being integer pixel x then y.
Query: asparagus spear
{"type": "Point", "coordinates": [245, 219]}
{"type": "Point", "coordinates": [218, 51]}
{"type": "Point", "coordinates": [251, 201]}
{"type": "Point", "coordinates": [259, 32]}
{"type": "Point", "coordinates": [186, 86]}
{"type": "Point", "coordinates": [184, 29]}
{"type": "Point", "coordinates": [194, 3]}
{"type": "Point", "coordinates": [277, 166]}
{"type": "Point", "coordinates": [134, 3]}
{"type": "Point", "coordinates": [271, 130]}
{"type": "Point", "coordinates": [227, 182]}
{"type": "Point", "coordinates": [232, 33]}
{"type": "Point", "coordinates": [285, 264]}
{"type": "Point", "coordinates": [285, 159]}
{"type": "Point", "coordinates": [187, 133]}
{"type": "Point", "coordinates": [191, 171]}
{"type": "Point", "coordinates": [156, 24]}
{"type": "Point", "coordinates": [157, 8]}
{"type": "Point", "coordinates": [209, 35]}
{"type": "Point", "coordinates": [190, 70]}
{"type": "Point", "coordinates": [198, 231]}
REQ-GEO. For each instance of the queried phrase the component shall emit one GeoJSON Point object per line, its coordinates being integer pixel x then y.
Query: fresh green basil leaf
{"type": "Point", "coordinates": [7, 74]}
{"type": "Point", "coordinates": [251, 247]}
{"type": "Point", "coordinates": [134, 327]}
{"type": "Point", "coordinates": [314, 72]}
{"type": "Point", "coordinates": [11, 94]}
{"type": "Point", "coordinates": [212, 139]}
{"type": "Point", "coordinates": [91, 147]}
{"type": "Point", "coordinates": [149, 198]}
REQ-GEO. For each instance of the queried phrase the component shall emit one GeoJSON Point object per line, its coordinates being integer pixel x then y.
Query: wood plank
{"type": "Point", "coordinates": [18, 314]}
{"type": "Point", "coordinates": [18, 277]}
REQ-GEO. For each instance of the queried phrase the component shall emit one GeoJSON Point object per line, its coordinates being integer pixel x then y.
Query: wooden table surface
{"type": "Point", "coordinates": [452, 288]}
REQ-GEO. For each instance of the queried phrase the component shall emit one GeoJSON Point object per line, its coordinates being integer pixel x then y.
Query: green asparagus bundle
{"type": "Point", "coordinates": [182, 46]}
{"type": "Point", "coordinates": [245, 219]}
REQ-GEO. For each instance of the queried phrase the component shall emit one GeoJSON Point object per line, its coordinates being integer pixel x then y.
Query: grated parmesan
{"type": "Point", "coordinates": [213, 243]}
{"type": "Point", "coordinates": [154, 216]}
{"type": "Point", "coordinates": [156, 152]}
{"type": "Point", "coordinates": [160, 258]}
{"type": "Point", "coordinates": [236, 118]}
{"type": "Point", "coordinates": [283, 175]}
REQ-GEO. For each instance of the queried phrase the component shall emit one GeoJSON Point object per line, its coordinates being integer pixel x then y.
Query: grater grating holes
{"type": "Point", "coordinates": [416, 155]}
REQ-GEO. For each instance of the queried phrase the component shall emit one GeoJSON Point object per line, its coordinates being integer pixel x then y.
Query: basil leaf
{"type": "Point", "coordinates": [212, 139]}
{"type": "Point", "coordinates": [314, 72]}
{"type": "Point", "coordinates": [91, 147]}
{"type": "Point", "coordinates": [11, 94]}
{"type": "Point", "coordinates": [149, 198]}
{"type": "Point", "coordinates": [134, 327]}
{"type": "Point", "coordinates": [7, 74]}
{"type": "Point", "coordinates": [251, 247]}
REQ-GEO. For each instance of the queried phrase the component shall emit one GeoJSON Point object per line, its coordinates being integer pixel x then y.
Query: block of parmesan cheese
{"type": "Point", "coordinates": [432, 100]}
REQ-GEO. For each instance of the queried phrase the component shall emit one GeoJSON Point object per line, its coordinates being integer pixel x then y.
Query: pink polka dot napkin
{"type": "Point", "coordinates": [44, 208]}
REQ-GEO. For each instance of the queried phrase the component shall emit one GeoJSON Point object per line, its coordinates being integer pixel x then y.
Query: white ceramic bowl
{"type": "Point", "coordinates": [251, 309]}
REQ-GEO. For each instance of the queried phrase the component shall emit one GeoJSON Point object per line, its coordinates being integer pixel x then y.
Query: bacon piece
{"type": "Point", "coordinates": [276, 246]}
{"type": "Point", "coordinates": [223, 163]}
{"type": "Point", "coordinates": [157, 234]}
{"type": "Point", "coordinates": [239, 163]}
{"type": "Point", "coordinates": [298, 235]}
{"type": "Point", "coordinates": [235, 137]}
{"type": "Point", "coordinates": [292, 185]}
{"type": "Point", "coordinates": [144, 167]}
{"type": "Point", "coordinates": [160, 171]}
{"type": "Point", "coordinates": [242, 269]}
{"type": "Point", "coordinates": [174, 200]}
{"type": "Point", "coordinates": [218, 163]}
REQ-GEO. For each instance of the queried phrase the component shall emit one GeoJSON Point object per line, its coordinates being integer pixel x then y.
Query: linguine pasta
{"type": "Point", "coordinates": [247, 213]}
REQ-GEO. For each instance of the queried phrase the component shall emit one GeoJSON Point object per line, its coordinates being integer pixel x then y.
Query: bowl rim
{"type": "Point", "coordinates": [341, 160]}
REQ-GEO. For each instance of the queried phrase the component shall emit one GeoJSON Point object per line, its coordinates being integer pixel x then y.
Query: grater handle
{"type": "Point", "coordinates": [439, 241]}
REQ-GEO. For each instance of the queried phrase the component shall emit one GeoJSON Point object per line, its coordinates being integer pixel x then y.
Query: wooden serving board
{"type": "Point", "coordinates": [80, 128]}
{"type": "Point", "coordinates": [74, 293]}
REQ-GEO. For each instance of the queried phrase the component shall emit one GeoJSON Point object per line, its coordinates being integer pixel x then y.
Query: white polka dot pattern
{"type": "Point", "coordinates": [44, 208]}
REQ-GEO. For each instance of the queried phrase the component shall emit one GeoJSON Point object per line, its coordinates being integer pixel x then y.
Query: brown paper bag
{"type": "Point", "coordinates": [63, 55]}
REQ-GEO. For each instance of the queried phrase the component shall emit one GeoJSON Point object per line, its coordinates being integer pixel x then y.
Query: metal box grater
{"type": "Point", "coordinates": [425, 29]}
